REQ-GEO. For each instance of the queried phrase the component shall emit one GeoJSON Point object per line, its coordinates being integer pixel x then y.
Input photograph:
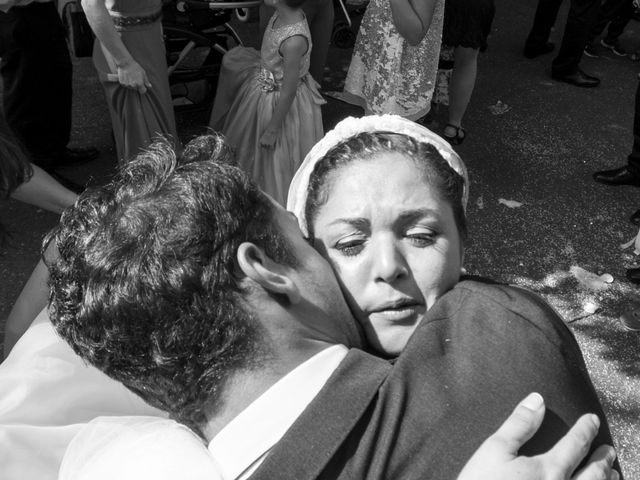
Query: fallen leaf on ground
{"type": "Point", "coordinates": [499, 108]}
{"type": "Point", "coordinates": [510, 203]}
{"type": "Point", "coordinates": [591, 280]}
{"type": "Point", "coordinates": [480, 203]}
{"type": "Point", "coordinates": [606, 277]}
{"type": "Point", "coordinates": [590, 307]}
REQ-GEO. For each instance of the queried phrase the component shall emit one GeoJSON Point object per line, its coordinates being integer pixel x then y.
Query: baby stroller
{"type": "Point", "coordinates": [344, 33]}
{"type": "Point", "coordinates": [197, 34]}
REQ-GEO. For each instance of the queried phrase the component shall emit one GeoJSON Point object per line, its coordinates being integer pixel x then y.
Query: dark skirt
{"type": "Point", "coordinates": [467, 23]}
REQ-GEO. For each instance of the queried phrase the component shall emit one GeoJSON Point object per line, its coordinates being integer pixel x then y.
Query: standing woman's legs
{"type": "Point", "coordinates": [321, 28]}
{"type": "Point", "coordinates": [463, 79]}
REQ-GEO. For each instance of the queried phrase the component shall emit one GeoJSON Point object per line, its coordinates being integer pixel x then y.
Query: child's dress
{"type": "Point", "coordinates": [386, 74]}
{"type": "Point", "coordinates": [248, 90]}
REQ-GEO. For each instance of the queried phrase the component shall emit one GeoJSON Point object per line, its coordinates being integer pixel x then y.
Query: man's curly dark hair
{"type": "Point", "coordinates": [147, 288]}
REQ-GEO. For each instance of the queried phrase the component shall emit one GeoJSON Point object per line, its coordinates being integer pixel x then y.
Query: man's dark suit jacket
{"type": "Point", "coordinates": [481, 349]}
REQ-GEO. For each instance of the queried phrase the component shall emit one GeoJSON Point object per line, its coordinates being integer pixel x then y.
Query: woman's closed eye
{"type": "Point", "coordinates": [350, 246]}
{"type": "Point", "coordinates": [421, 237]}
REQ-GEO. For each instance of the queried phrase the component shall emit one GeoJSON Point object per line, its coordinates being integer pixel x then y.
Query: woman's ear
{"type": "Point", "coordinates": [271, 276]}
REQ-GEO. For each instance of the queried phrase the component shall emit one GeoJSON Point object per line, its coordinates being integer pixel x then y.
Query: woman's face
{"type": "Point", "coordinates": [393, 243]}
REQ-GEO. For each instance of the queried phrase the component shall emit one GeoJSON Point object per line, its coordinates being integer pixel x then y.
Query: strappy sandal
{"type": "Point", "coordinates": [456, 139]}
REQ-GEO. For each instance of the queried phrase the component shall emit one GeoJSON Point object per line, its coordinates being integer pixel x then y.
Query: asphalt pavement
{"type": "Point", "coordinates": [536, 217]}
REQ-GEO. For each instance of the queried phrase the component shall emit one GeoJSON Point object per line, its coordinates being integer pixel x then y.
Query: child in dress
{"type": "Point", "coordinates": [395, 59]}
{"type": "Point", "coordinates": [267, 104]}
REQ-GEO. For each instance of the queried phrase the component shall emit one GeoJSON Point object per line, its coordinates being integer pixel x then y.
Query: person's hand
{"type": "Point", "coordinates": [132, 75]}
{"type": "Point", "coordinates": [497, 457]}
{"type": "Point", "coordinates": [268, 138]}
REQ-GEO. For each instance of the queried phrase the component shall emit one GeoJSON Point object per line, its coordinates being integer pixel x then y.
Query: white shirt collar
{"type": "Point", "coordinates": [244, 442]}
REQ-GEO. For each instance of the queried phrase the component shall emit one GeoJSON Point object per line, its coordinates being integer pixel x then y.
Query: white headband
{"type": "Point", "coordinates": [350, 127]}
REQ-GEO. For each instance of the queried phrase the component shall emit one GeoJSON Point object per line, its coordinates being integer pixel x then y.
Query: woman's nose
{"type": "Point", "coordinates": [389, 263]}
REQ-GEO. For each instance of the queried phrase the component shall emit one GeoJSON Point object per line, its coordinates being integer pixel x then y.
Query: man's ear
{"type": "Point", "coordinates": [271, 276]}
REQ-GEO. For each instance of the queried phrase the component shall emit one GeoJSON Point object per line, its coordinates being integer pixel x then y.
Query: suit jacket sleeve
{"type": "Point", "coordinates": [487, 347]}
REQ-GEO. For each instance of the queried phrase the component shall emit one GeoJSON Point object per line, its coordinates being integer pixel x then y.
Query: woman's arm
{"type": "Point", "coordinates": [44, 191]}
{"type": "Point", "coordinates": [412, 18]}
{"type": "Point", "coordinates": [130, 73]}
{"type": "Point", "coordinates": [292, 51]}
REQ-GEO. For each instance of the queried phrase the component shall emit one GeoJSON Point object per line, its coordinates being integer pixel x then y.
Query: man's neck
{"type": "Point", "coordinates": [245, 387]}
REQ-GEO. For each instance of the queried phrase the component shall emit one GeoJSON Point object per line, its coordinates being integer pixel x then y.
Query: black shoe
{"type": "Point", "coordinates": [577, 78]}
{"type": "Point", "coordinates": [617, 176]}
{"type": "Point", "coordinates": [591, 50]}
{"type": "Point", "coordinates": [635, 218]}
{"type": "Point", "coordinates": [631, 320]}
{"type": "Point", "coordinates": [67, 183]}
{"type": "Point", "coordinates": [70, 157]}
{"type": "Point", "coordinates": [633, 274]}
{"type": "Point", "coordinates": [532, 51]}
{"type": "Point", "coordinates": [615, 47]}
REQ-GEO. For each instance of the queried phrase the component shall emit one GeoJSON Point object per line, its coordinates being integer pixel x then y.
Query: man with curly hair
{"type": "Point", "coordinates": [186, 283]}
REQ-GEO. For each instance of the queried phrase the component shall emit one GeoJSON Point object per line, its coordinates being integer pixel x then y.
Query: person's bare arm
{"type": "Point", "coordinates": [412, 18]}
{"type": "Point", "coordinates": [43, 191]}
{"type": "Point", "coordinates": [497, 458]}
{"type": "Point", "coordinates": [130, 73]}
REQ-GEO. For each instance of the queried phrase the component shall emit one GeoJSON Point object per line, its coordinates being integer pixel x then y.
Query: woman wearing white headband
{"type": "Point", "coordinates": [383, 200]}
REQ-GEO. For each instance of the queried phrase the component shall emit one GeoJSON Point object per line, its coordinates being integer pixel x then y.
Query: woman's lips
{"type": "Point", "coordinates": [404, 312]}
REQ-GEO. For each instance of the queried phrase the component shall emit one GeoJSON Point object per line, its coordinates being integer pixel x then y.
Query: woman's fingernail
{"type": "Point", "coordinates": [595, 420]}
{"type": "Point", "coordinates": [533, 402]}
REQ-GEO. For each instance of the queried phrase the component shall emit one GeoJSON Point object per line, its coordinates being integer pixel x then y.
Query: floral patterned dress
{"type": "Point", "coordinates": [387, 75]}
{"type": "Point", "coordinates": [248, 90]}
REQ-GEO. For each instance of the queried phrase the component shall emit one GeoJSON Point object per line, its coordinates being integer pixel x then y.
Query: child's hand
{"type": "Point", "coordinates": [268, 139]}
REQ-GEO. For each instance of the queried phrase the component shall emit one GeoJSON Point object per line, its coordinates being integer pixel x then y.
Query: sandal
{"type": "Point", "coordinates": [456, 139]}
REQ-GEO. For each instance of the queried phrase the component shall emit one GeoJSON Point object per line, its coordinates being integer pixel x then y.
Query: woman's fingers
{"type": "Point", "coordinates": [599, 466]}
{"type": "Point", "coordinates": [142, 82]}
{"type": "Point", "coordinates": [146, 82]}
{"type": "Point", "coordinates": [497, 456]}
{"type": "Point", "coordinates": [519, 427]}
{"type": "Point", "coordinates": [574, 446]}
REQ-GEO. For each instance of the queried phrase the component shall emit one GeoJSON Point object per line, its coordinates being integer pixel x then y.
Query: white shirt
{"type": "Point", "coordinates": [150, 448]}
{"type": "Point", "coordinates": [137, 448]}
{"type": "Point", "coordinates": [242, 445]}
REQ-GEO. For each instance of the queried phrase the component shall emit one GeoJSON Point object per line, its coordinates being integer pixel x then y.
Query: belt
{"type": "Point", "coordinates": [136, 21]}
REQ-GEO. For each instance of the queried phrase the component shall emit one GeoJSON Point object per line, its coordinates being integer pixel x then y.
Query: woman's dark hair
{"type": "Point", "coordinates": [438, 173]}
{"type": "Point", "coordinates": [15, 169]}
{"type": "Point", "coordinates": [147, 287]}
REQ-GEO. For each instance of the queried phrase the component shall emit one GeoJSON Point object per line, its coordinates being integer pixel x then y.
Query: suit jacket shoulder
{"type": "Point", "coordinates": [479, 351]}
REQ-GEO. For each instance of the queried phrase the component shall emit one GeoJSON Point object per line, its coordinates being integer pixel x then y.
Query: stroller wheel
{"type": "Point", "coordinates": [343, 36]}
{"type": "Point", "coordinates": [247, 14]}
